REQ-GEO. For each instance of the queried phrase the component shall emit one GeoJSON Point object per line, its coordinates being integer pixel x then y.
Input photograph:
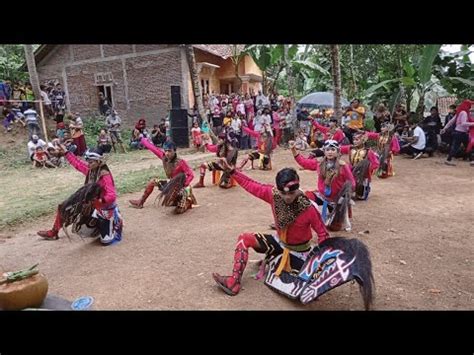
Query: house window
{"type": "Point", "coordinates": [103, 78]}
{"type": "Point", "coordinates": [205, 86]}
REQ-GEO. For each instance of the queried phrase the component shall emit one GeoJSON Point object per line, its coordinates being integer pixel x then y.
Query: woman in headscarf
{"type": "Point", "coordinates": [460, 134]}
{"type": "Point", "coordinates": [93, 206]}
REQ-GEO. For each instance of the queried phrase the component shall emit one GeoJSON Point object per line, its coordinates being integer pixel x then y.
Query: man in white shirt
{"type": "Point", "coordinates": [33, 144]}
{"type": "Point", "coordinates": [417, 142]}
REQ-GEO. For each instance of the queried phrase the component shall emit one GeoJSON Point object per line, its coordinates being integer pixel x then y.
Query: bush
{"type": "Point", "coordinates": [92, 127]}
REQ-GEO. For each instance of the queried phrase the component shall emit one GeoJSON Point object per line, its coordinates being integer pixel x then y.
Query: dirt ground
{"type": "Point", "coordinates": [420, 237]}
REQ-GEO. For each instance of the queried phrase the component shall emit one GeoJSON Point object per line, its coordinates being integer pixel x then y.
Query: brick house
{"type": "Point", "coordinates": [137, 77]}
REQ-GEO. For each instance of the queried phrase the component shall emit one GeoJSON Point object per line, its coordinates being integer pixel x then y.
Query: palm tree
{"type": "Point", "coordinates": [336, 79]}
{"type": "Point", "coordinates": [196, 85]}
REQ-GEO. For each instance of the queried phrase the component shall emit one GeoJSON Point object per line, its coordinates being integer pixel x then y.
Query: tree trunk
{"type": "Point", "coordinates": [280, 69]}
{"type": "Point", "coordinates": [420, 109]}
{"type": "Point", "coordinates": [354, 83]}
{"type": "Point", "coordinates": [238, 89]}
{"type": "Point", "coordinates": [336, 79]}
{"type": "Point", "coordinates": [289, 74]}
{"type": "Point", "coordinates": [34, 81]}
{"type": "Point", "coordinates": [264, 83]}
{"type": "Point", "coordinates": [408, 97]}
{"type": "Point", "coordinates": [196, 85]}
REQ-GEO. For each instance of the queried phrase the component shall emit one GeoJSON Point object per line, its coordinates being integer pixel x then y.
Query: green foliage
{"type": "Point", "coordinates": [369, 124]}
{"type": "Point", "coordinates": [12, 57]}
{"type": "Point", "coordinates": [92, 127]}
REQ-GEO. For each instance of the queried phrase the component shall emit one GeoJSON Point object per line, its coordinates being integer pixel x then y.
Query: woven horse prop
{"type": "Point", "coordinates": [77, 211]}
{"type": "Point", "coordinates": [333, 263]}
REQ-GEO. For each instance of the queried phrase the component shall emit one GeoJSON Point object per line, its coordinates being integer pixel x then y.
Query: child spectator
{"type": "Point", "coordinates": [104, 141]}
{"type": "Point", "coordinates": [41, 159]}
{"type": "Point", "coordinates": [60, 130]}
{"type": "Point", "coordinates": [196, 134]}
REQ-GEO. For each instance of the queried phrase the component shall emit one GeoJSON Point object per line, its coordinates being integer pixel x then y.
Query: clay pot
{"type": "Point", "coordinates": [27, 293]}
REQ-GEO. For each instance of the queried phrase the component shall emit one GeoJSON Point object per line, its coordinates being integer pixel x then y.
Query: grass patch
{"type": "Point", "coordinates": [25, 205]}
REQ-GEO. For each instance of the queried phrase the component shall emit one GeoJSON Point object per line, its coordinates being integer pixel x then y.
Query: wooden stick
{"type": "Point", "coordinates": [45, 131]}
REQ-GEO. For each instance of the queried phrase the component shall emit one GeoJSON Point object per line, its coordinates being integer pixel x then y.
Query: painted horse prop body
{"type": "Point", "coordinates": [334, 262]}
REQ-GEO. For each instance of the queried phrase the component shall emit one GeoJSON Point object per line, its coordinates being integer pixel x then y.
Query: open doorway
{"type": "Point", "coordinates": [107, 91]}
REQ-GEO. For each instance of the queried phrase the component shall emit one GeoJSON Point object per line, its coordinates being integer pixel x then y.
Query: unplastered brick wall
{"type": "Point", "coordinates": [149, 84]}
{"type": "Point", "coordinates": [141, 82]}
{"type": "Point", "coordinates": [85, 51]}
{"type": "Point", "coordinates": [83, 94]}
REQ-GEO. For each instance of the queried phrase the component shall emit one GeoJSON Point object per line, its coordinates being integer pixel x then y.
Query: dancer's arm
{"type": "Point", "coordinates": [345, 149]}
{"type": "Point", "coordinates": [372, 135]}
{"type": "Point", "coordinates": [310, 164]}
{"type": "Point", "coordinates": [251, 132]}
{"type": "Point", "coordinates": [320, 127]}
{"type": "Point", "coordinates": [148, 145]}
{"type": "Point", "coordinates": [211, 147]}
{"type": "Point", "coordinates": [262, 191]}
{"type": "Point", "coordinates": [187, 171]}
{"type": "Point", "coordinates": [77, 163]}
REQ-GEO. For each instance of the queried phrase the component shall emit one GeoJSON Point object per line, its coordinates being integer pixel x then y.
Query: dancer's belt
{"type": "Point", "coordinates": [298, 247]}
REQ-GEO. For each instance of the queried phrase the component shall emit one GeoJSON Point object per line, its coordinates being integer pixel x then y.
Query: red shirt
{"type": "Point", "coordinates": [182, 167]}
{"type": "Point", "coordinates": [106, 182]}
{"type": "Point", "coordinates": [373, 159]}
{"type": "Point", "coordinates": [299, 231]}
{"type": "Point", "coordinates": [345, 174]}
{"type": "Point", "coordinates": [338, 135]}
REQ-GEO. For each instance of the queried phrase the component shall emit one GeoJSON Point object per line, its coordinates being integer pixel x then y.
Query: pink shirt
{"type": "Point", "coordinates": [106, 182]}
{"type": "Point", "coordinates": [276, 120]}
{"type": "Point", "coordinates": [345, 174]}
{"type": "Point", "coordinates": [462, 124]}
{"type": "Point", "coordinates": [394, 145]}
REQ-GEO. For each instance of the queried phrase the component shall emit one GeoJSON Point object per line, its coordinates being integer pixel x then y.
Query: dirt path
{"type": "Point", "coordinates": [419, 238]}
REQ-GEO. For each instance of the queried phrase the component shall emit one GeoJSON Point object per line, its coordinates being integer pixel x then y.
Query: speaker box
{"type": "Point", "coordinates": [180, 137]}
{"type": "Point", "coordinates": [175, 97]}
{"type": "Point", "coordinates": [178, 118]}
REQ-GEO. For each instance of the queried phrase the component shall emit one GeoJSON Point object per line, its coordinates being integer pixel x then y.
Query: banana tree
{"type": "Point", "coordinates": [261, 54]}
{"type": "Point", "coordinates": [417, 77]}
{"type": "Point", "coordinates": [456, 72]}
